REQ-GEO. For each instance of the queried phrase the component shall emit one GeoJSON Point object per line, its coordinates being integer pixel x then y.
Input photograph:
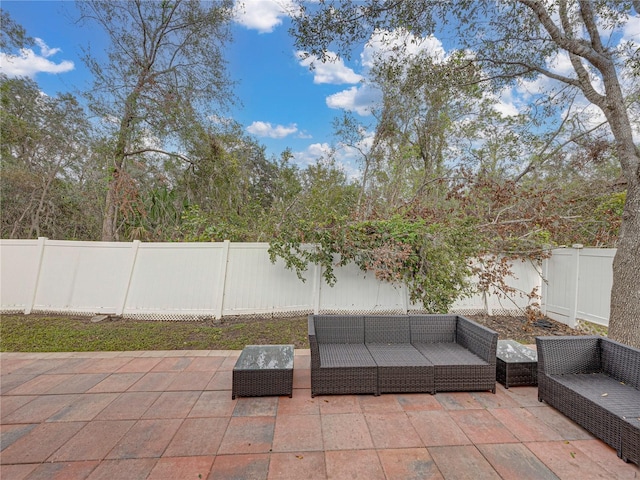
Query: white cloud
{"type": "Point", "coordinates": [28, 63]}
{"type": "Point", "coordinates": [382, 45]}
{"type": "Point", "coordinates": [263, 15]}
{"type": "Point", "coordinates": [385, 44]}
{"type": "Point", "coordinates": [360, 99]}
{"type": "Point", "coordinates": [265, 129]}
{"type": "Point", "coordinates": [345, 158]}
{"type": "Point", "coordinates": [312, 154]}
{"type": "Point", "coordinates": [333, 71]}
{"type": "Point", "coordinates": [506, 109]}
{"type": "Point", "coordinates": [631, 30]}
{"type": "Point", "coordinates": [506, 102]}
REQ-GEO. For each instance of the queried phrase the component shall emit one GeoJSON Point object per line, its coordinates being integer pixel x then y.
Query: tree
{"type": "Point", "coordinates": [520, 40]}
{"type": "Point", "coordinates": [44, 145]}
{"type": "Point", "coordinates": [228, 187]}
{"type": "Point", "coordinates": [164, 68]}
{"type": "Point", "coordinates": [425, 99]}
{"type": "Point", "coordinates": [12, 34]}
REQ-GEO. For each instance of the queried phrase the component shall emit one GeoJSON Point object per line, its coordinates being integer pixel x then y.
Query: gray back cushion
{"type": "Point", "coordinates": [620, 361]}
{"type": "Point", "coordinates": [339, 328]}
{"type": "Point", "coordinates": [387, 329]}
{"type": "Point", "coordinates": [433, 328]}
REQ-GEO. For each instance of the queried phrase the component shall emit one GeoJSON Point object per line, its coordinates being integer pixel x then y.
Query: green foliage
{"type": "Point", "coordinates": [430, 258]}
{"type": "Point", "coordinates": [612, 204]}
{"type": "Point", "coordinates": [44, 144]}
{"type": "Point", "coordinates": [12, 34]}
{"type": "Point", "coordinates": [164, 72]}
{"type": "Point", "coordinates": [197, 226]}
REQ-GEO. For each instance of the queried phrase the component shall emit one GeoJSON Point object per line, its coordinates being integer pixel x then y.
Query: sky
{"type": "Point", "coordinates": [282, 102]}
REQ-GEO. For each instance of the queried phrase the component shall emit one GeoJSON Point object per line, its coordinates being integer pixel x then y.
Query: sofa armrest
{"type": "Point", "coordinates": [477, 339]}
{"type": "Point", "coordinates": [568, 355]}
{"type": "Point", "coordinates": [313, 343]}
{"type": "Point", "coordinates": [311, 326]}
{"type": "Point", "coordinates": [621, 362]}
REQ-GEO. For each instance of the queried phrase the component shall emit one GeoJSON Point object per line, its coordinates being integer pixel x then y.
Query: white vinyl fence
{"type": "Point", "coordinates": [578, 285]}
{"type": "Point", "coordinates": [185, 281]}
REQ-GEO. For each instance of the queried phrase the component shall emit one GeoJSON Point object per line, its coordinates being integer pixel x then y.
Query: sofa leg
{"type": "Point", "coordinates": [624, 459]}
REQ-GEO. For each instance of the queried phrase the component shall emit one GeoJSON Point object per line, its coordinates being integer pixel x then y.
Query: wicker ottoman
{"type": "Point", "coordinates": [263, 370]}
{"type": "Point", "coordinates": [516, 364]}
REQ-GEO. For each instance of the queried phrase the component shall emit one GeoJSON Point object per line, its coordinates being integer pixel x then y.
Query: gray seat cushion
{"type": "Point", "coordinates": [605, 391]}
{"type": "Point", "coordinates": [397, 355]}
{"type": "Point", "coordinates": [448, 354]}
{"type": "Point", "coordinates": [336, 355]}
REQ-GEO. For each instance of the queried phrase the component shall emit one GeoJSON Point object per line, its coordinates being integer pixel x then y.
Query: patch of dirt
{"type": "Point", "coordinates": [522, 330]}
{"type": "Point", "coordinates": [517, 328]}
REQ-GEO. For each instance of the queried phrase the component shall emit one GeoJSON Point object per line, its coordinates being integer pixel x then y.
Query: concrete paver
{"type": "Point", "coordinates": [157, 415]}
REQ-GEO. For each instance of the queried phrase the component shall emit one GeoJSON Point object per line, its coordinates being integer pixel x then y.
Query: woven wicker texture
{"type": "Point", "coordinates": [340, 363]}
{"type": "Point", "coordinates": [395, 364]}
{"type": "Point", "coordinates": [516, 374]}
{"type": "Point", "coordinates": [516, 364]}
{"type": "Point", "coordinates": [401, 368]}
{"type": "Point", "coordinates": [339, 328]}
{"type": "Point", "coordinates": [263, 370]}
{"type": "Point", "coordinates": [433, 328]}
{"type": "Point", "coordinates": [591, 380]}
{"type": "Point", "coordinates": [336, 355]}
{"type": "Point", "coordinates": [391, 329]}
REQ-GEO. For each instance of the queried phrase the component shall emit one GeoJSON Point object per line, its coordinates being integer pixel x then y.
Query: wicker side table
{"type": "Point", "coordinates": [263, 370]}
{"type": "Point", "coordinates": [516, 364]}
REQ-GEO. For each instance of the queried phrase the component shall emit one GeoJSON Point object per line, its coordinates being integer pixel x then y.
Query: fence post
{"type": "Point", "coordinates": [488, 309]}
{"type": "Point", "coordinates": [34, 290]}
{"type": "Point", "coordinates": [317, 287]}
{"type": "Point", "coordinates": [573, 308]}
{"type": "Point", "coordinates": [544, 284]}
{"type": "Point", "coordinates": [404, 296]}
{"type": "Point", "coordinates": [222, 277]}
{"type": "Point", "coordinates": [132, 265]}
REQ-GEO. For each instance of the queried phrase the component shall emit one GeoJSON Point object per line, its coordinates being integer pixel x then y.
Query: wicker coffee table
{"type": "Point", "coordinates": [516, 364]}
{"type": "Point", "coordinates": [263, 370]}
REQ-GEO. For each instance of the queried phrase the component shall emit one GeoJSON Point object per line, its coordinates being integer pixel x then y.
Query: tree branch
{"type": "Point", "coordinates": [163, 152]}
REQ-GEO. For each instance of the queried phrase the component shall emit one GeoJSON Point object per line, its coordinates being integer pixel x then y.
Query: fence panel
{"type": "Point", "coordinates": [579, 285]}
{"type": "Point", "coordinates": [19, 266]}
{"type": "Point", "coordinates": [254, 285]}
{"type": "Point", "coordinates": [560, 287]}
{"type": "Point", "coordinates": [595, 280]}
{"type": "Point", "coordinates": [526, 277]}
{"type": "Point", "coordinates": [355, 291]}
{"type": "Point", "coordinates": [175, 279]}
{"type": "Point", "coordinates": [82, 277]}
{"type": "Point", "coordinates": [203, 280]}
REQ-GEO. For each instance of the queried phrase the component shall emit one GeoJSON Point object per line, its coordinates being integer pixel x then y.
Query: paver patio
{"type": "Point", "coordinates": [169, 415]}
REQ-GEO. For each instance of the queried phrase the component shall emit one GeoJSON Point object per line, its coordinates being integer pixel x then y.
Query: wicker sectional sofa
{"type": "Point", "coordinates": [353, 354]}
{"type": "Point", "coordinates": [595, 382]}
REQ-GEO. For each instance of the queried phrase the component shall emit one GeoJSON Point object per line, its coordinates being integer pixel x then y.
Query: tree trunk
{"type": "Point", "coordinates": [624, 319]}
{"type": "Point", "coordinates": [110, 219]}
{"type": "Point", "coordinates": [112, 202]}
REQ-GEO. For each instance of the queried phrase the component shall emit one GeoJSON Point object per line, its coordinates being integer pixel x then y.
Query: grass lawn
{"type": "Point", "coordinates": [34, 333]}
{"type": "Point", "coordinates": [37, 333]}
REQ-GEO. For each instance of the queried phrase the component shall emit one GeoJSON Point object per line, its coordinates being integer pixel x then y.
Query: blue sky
{"type": "Point", "coordinates": [282, 102]}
